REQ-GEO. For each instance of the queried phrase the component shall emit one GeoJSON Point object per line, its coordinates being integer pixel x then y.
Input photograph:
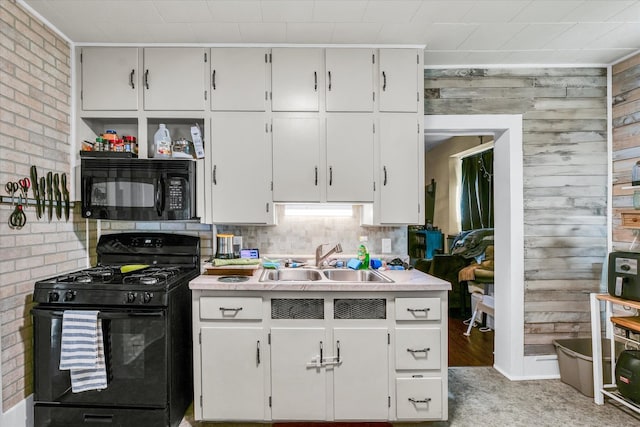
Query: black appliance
{"type": "Point", "coordinates": [146, 324]}
{"type": "Point", "coordinates": [138, 189]}
{"type": "Point", "coordinates": [623, 275]}
{"type": "Point", "coordinates": [628, 375]}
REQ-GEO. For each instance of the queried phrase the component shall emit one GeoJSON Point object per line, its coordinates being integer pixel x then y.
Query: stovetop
{"type": "Point", "coordinates": [136, 269]}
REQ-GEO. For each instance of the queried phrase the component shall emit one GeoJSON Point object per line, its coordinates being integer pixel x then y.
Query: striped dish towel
{"type": "Point", "coordinates": [82, 350]}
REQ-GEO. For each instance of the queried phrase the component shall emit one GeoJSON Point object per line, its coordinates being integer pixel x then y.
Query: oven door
{"type": "Point", "coordinates": [135, 352]}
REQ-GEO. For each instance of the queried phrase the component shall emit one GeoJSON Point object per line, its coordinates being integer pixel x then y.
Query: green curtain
{"type": "Point", "coordinates": [476, 199]}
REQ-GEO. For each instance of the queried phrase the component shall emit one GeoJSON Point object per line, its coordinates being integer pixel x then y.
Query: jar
{"type": "Point", "coordinates": [635, 174]}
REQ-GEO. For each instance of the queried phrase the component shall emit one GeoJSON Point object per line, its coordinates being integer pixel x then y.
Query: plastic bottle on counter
{"type": "Point", "coordinates": [162, 142]}
{"type": "Point", "coordinates": [363, 257]}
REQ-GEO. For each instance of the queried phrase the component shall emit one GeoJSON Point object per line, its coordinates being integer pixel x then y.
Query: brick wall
{"type": "Point", "coordinates": [35, 77]}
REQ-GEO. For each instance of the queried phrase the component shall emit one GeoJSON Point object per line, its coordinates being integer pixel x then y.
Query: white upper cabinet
{"type": "Point", "coordinates": [399, 164]}
{"type": "Point", "coordinates": [297, 77]}
{"type": "Point", "coordinates": [174, 78]}
{"type": "Point", "coordinates": [349, 79]}
{"type": "Point", "coordinates": [296, 159]}
{"type": "Point", "coordinates": [110, 78]}
{"type": "Point", "coordinates": [398, 84]}
{"type": "Point", "coordinates": [239, 79]}
{"type": "Point", "coordinates": [350, 148]}
{"type": "Point", "coordinates": [241, 175]}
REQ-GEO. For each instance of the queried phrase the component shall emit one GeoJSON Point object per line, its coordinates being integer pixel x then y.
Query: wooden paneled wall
{"type": "Point", "coordinates": [625, 92]}
{"type": "Point", "coordinates": [565, 182]}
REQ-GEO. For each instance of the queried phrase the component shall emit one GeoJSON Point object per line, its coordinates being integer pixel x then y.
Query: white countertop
{"type": "Point", "coordinates": [403, 280]}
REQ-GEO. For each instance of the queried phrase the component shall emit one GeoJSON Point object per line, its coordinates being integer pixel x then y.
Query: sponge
{"type": "Point", "coordinates": [354, 264]}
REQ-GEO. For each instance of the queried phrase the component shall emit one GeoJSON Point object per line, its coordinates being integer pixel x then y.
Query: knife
{"type": "Point", "coordinates": [36, 190]}
{"type": "Point", "coordinates": [41, 194]}
{"type": "Point", "coordinates": [58, 195]}
{"type": "Point", "coordinates": [50, 193]}
{"type": "Point", "coordinates": [65, 196]}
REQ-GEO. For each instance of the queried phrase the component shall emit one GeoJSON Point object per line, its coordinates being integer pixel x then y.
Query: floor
{"type": "Point", "coordinates": [474, 350]}
{"type": "Point", "coordinates": [480, 396]}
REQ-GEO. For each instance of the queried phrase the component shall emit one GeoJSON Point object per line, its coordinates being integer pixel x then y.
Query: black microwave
{"type": "Point", "coordinates": [138, 189]}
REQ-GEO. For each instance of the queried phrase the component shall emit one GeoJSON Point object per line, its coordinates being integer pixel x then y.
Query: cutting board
{"type": "Point", "coordinates": [231, 270]}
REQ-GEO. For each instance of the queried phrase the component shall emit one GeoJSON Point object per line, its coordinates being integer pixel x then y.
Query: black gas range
{"type": "Point", "coordinates": [140, 290]}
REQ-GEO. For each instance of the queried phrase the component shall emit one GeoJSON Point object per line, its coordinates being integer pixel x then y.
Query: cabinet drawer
{"type": "Point", "coordinates": [417, 308]}
{"type": "Point", "coordinates": [231, 308]}
{"type": "Point", "coordinates": [418, 348]}
{"type": "Point", "coordinates": [418, 398]}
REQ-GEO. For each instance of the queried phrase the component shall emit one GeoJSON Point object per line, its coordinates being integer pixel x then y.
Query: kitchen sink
{"type": "Point", "coordinates": [355, 276]}
{"type": "Point", "coordinates": [297, 275]}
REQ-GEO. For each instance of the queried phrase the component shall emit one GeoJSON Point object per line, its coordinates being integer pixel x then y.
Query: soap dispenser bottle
{"type": "Point", "coordinates": [363, 256]}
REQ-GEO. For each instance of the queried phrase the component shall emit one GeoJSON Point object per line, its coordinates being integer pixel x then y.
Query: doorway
{"type": "Point", "coordinates": [509, 230]}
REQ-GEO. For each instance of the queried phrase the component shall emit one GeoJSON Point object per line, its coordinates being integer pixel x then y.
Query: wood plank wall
{"type": "Point", "coordinates": [625, 92]}
{"type": "Point", "coordinates": [565, 182]}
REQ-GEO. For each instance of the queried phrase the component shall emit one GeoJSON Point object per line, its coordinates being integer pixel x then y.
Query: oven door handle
{"type": "Point", "coordinates": [101, 314]}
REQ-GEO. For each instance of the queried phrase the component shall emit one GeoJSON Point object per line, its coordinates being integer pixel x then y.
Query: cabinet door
{"type": "Point", "coordinates": [174, 78]}
{"type": "Point", "coordinates": [239, 79]}
{"type": "Point", "coordinates": [398, 80]}
{"type": "Point", "coordinates": [361, 383]}
{"type": "Point", "coordinates": [233, 373]}
{"type": "Point", "coordinates": [349, 84]}
{"type": "Point", "coordinates": [109, 78]}
{"type": "Point", "coordinates": [296, 159]}
{"type": "Point", "coordinates": [296, 79]}
{"type": "Point", "coordinates": [241, 169]}
{"type": "Point", "coordinates": [350, 158]}
{"type": "Point", "coordinates": [399, 157]}
{"type": "Point", "coordinates": [298, 390]}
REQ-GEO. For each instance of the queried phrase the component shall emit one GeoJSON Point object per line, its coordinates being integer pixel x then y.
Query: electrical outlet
{"type": "Point", "coordinates": [386, 246]}
{"type": "Point", "coordinates": [364, 239]}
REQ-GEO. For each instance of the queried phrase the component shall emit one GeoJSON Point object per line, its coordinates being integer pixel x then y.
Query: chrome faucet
{"type": "Point", "coordinates": [322, 258]}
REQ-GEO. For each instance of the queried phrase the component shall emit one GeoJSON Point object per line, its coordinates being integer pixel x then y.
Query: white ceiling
{"type": "Point", "coordinates": [455, 32]}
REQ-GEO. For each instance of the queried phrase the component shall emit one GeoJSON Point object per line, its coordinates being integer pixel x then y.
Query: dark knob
{"type": "Point", "coordinates": [147, 297]}
{"type": "Point", "coordinates": [53, 296]}
{"type": "Point", "coordinates": [131, 297]}
{"type": "Point", "coordinates": [69, 295]}
{"type": "Point", "coordinates": [625, 267]}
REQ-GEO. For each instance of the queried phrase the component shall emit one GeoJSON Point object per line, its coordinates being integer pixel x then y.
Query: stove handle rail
{"type": "Point", "coordinates": [108, 315]}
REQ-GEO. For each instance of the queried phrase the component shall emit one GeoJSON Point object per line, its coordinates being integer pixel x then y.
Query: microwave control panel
{"type": "Point", "coordinates": [177, 194]}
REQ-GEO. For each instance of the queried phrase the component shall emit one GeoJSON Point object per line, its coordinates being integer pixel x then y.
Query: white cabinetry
{"type": "Point", "coordinates": [110, 78]}
{"type": "Point", "coordinates": [297, 77]}
{"type": "Point", "coordinates": [296, 159]}
{"type": "Point", "coordinates": [241, 171]}
{"type": "Point", "coordinates": [174, 78]}
{"type": "Point", "coordinates": [350, 148]}
{"type": "Point", "coordinates": [398, 74]}
{"type": "Point", "coordinates": [349, 79]}
{"type": "Point", "coordinates": [239, 79]}
{"type": "Point", "coordinates": [399, 179]}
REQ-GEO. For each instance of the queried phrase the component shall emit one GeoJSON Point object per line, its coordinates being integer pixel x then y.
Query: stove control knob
{"type": "Point", "coordinates": [69, 295]}
{"type": "Point", "coordinates": [147, 297]}
{"type": "Point", "coordinates": [53, 296]}
{"type": "Point", "coordinates": [131, 297]}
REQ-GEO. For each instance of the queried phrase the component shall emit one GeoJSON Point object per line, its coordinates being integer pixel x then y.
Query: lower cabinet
{"type": "Point", "coordinates": [316, 358]}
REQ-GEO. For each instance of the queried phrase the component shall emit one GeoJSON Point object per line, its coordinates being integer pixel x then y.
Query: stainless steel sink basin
{"type": "Point", "coordinates": [297, 275]}
{"type": "Point", "coordinates": [356, 276]}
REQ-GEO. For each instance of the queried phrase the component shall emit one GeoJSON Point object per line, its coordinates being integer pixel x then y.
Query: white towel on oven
{"type": "Point", "coordinates": [82, 350]}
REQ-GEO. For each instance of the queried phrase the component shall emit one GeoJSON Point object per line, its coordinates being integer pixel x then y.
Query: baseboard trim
{"type": "Point", "coordinates": [543, 367]}
{"type": "Point", "coordinates": [21, 415]}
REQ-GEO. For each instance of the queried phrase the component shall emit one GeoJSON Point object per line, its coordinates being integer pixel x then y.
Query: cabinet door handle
{"type": "Point", "coordinates": [413, 310]}
{"type": "Point", "coordinates": [316, 176]}
{"type": "Point", "coordinates": [330, 175]}
{"type": "Point", "coordinates": [321, 356]}
{"type": "Point", "coordinates": [412, 400]}
{"type": "Point", "coordinates": [258, 352]}
{"type": "Point", "coordinates": [213, 79]}
{"type": "Point", "coordinates": [315, 81]}
{"type": "Point", "coordinates": [146, 79]}
{"type": "Point", "coordinates": [384, 81]}
{"type": "Point", "coordinates": [329, 80]}
{"type": "Point", "coordinates": [133, 85]}
{"type": "Point", "coordinates": [236, 309]}
{"type": "Point", "coordinates": [338, 351]}
{"type": "Point", "coordinates": [419, 350]}
{"type": "Point", "coordinates": [384, 168]}
{"type": "Point", "coordinates": [215, 181]}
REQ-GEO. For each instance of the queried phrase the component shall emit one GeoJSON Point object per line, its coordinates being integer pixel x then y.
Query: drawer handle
{"type": "Point", "coordinates": [422, 350]}
{"type": "Point", "coordinates": [236, 309]}
{"type": "Point", "coordinates": [413, 310]}
{"type": "Point", "coordinates": [412, 400]}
